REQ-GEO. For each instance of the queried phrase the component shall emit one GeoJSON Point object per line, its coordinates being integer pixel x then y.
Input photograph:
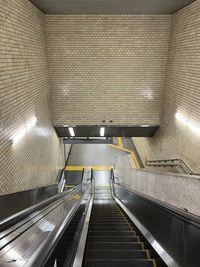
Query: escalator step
{"type": "Point", "coordinates": [113, 239]}
{"type": "Point", "coordinates": [111, 233]}
{"type": "Point", "coordinates": [119, 263]}
{"type": "Point", "coordinates": [111, 228]}
{"type": "Point", "coordinates": [109, 223]}
{"type": "Point", "coordinates": [103, 215]}
{"type": "Point", "coordinates": [107, 220]}
{"type": "Point", "coordinates": [114, 246]}
{"type": "Point", "coordinates": [116, 254]}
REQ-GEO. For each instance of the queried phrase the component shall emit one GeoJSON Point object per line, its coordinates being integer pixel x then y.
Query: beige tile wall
{"type": "Point", "coordinates": [176, 139]}
{"type": "Point", "coordinates": [24, 93]}
{"type": "Point", "coordinates": [107, 68]}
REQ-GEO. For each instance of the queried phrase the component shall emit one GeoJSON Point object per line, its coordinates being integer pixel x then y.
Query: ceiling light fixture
{"type": "Point", "coordinates": [102, 131]}
{"type": "Point", "coordinates": [71, 131]}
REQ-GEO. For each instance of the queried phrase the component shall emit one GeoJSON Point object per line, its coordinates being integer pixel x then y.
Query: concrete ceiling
{"type": "Point", "coordinates": [110, 6]}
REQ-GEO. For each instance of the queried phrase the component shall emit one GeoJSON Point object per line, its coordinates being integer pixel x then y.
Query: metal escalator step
{"type": "Point", "coordinates": [103, 215]}
{"type": "Point", "coordinates": [111, 228]}
{"type": "Point", "coordinates": [113, 223]}
{"type": "Point", "coordinates": [107, 219]}
{"type": "Point", "coordinates": [113, 239]}
{"type": "Point", "coordinates": [119, 263]}
{"type": "Point", "coordinates": [116, 254]}
{"type": "Point", "coordinates": [114, 246]}
{"type": "Point", "coordinates": [111, 233]}
{"type": "Point", "coordinates": [98, 209]}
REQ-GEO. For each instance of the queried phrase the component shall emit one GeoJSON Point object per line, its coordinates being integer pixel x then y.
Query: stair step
{"type": "Point", "coordinates": [99, 214]}
{"type": "Point", "coordinates": [114, 246]}
{"type": "Point", "coordinates": [103, 215]}
{"type": "Point", "coordinates": [111, 233]}
{"type": "Point", "coordinates": [113, 239]}
{"type": "Point", "coordinates": [109, 223]}
{"type": "Point", "coordinates": [106, 219]}
{"type": "Point", "coordinates": [119, 263]}
{"type": "Point", "coordinates": [116, 254]}
{"type": "Point", "coordinates": [110, 228]}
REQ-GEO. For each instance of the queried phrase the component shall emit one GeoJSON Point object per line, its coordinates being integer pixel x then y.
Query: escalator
{"type": "Point", "coordinates": [103, 235]}
{"type": "Point", "coordinates": [112, 240]}
{"type": "Point", "coordinates": [100, 224]}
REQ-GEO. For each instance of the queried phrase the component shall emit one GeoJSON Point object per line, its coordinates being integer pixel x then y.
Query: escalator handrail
{"type": "Point", "coordinates": [15, 218]}
{"type": "Point", "coordinates": [187, 217]}
{"type": "Point", "coordinates": [39, 258]}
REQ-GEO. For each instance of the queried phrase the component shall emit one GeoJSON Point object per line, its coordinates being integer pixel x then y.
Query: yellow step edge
{"type": "Point", "coordinates": [95, 168]}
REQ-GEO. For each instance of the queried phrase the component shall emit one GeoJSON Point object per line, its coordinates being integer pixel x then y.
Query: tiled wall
{"type": "Point", "coordinates": [24, 93]}
{"type": "Point", "coordinates": [107, 68]}
{"type": "Point", "coordinates": [180, 138]}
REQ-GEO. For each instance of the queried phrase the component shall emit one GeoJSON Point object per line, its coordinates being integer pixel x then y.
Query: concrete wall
{"type": "Point", "coordinates": [107, 68]}
{"type": "Point", "coordinates": [180, 137]}
{"type": "Point", "coordinates": [180, 191]}
{"type": "Point", "coordinates": [25, 93]}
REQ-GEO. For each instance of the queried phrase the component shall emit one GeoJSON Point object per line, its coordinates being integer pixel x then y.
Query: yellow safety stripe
{"type": "Point", "coordinates": [95, 168]}
{"type": "Point", "coordinates": [132, 154]}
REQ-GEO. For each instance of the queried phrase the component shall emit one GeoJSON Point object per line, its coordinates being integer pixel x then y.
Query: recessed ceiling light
{"type": "Point", "coordinates": [71, 131]}
{"type": "Point", "coordinates": [102, 131]}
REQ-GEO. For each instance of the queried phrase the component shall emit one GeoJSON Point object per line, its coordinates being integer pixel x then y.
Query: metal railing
{"type": "Point", "coordinates": [173, 163]}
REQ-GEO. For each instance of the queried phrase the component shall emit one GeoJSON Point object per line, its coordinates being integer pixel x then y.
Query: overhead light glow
{"type": "Point", "coordinates": [102, 131]}
{"type": "Point", "coordinates": [71, 131]}
{"type": "Point", "coordinates": [184, 120]}
{"type": "Point", "coordinates": [31, 123]}
{"type": "Point", "coordinates": [21, 133]}
{"type": "Point", "coordinates": [181, 118]}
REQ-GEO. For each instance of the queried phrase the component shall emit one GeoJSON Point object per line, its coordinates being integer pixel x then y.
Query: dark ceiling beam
{"type": "Point", "coordinates": [110, 131]}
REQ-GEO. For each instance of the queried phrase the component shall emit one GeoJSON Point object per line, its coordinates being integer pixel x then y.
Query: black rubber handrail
{"type": "Point", "coordinates": [42, 255]}
{"type": "Point", "coordinates": [188, 217]}
{"type": "Point", "coordinates": [13, 219]}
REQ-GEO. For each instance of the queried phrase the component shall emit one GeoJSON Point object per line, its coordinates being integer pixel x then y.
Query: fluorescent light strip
{"type": "Point", "coordinates": [181, 118]}
{"type": "Point", "coordinates": [187, 122]}
{"type": "Point", "coordinates": [31, 123]}
{"type": "Point", "coordinates": [21, 133]}
{"type": "Point", "coordinates": [71, 131]}
{"type": "Point", "coordinates": [102, 131]}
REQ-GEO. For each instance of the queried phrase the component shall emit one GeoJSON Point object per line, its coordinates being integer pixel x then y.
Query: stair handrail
{"type": "Point", "coordinates": [171, 163]}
